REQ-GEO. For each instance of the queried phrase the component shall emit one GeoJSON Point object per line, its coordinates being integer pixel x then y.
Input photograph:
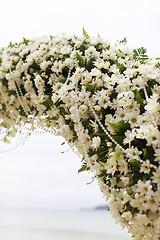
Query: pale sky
{"type": "Point", "coordinates": [37, 174]}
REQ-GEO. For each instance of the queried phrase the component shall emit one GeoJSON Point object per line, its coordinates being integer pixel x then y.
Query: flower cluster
{"type": "Point", "coordinates": [105, 101]}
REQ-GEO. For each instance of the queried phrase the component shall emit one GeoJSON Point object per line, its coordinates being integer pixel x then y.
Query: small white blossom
{"type": "Point", "coordinates": [96, 142]}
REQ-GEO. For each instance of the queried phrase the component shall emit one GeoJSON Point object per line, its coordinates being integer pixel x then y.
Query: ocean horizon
{"type": "Point", "coordinates": [49, 224]}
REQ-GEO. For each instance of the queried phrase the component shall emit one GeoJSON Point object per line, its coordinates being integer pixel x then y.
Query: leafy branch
{"type": "Point", "coordinates": [157, 65]}
{"type": "Point", "coordinates": [84, 63]}
{"type": "Point", "coordinates": [140, 54]}
{"type": "Point", "coordinates": [85, 34]}
{"type": "Point", "coordinates": [124, 40]}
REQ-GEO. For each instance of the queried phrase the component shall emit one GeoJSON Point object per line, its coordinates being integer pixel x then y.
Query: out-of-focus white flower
{"type": "Point", "coordinates": [96, 142]}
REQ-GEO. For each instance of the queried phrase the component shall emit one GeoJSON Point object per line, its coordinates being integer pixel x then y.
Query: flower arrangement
{"type": "Point", "coordinates": [105, 101]}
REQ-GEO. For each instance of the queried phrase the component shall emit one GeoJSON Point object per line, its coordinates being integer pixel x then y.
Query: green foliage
{"type": "Point", "coordinates": [120, 127]}
{"type": "Point", "coordinates": [84, 168]}
{"type": "Point", "coordinates": [140, 54]}
{"type": "Point", "coordinates": [62, 80]}
{"type": "Point", "coordinates": [121, 67]}
{"type": "Point", "coordinates": [119, 139]}
{"type": "Point", "coordinates": [93, 178]}
{"type": "Point", "coordinates": [157, 65]}
{"type": "Point", "coordinates": [124, 40]}
{"type": "Point", "coordinates": [84, 63]}
{"type": "Point", "coordinates": [4, 82]}
{"type": "Point", "coordinates": [135, 163]}
{"type": "Point", "coordinates": [113, 95]}
{"type": "Point", "coordinates": [55, 118]}
{"type": "Point", "coordinates": [35, 66]}
{"type": "Point", "coordinates": [138, 97]}
{"type": "Point", "coordinates": [80, 59]}
{"type": "Point", "coordinates": [10, 92]}
{"type": "Point", "coordinates": [4, 71]}
{"type": "Point", "coordinates": [22, 112]}
{"type": "Point", "coordinates": [85, 34]}
{"type": "Point", "coordinates": [148, 153]}
{"type": "Point", "coordinates": [89, 65]}
{"type": "Point", "coordinates": [47, 103]}
{"type": "Point", "coordinates": [92, 87]}
{"type": "Point", "coordinates": [25, 41]}
{"type": "Point", "coordinates": [11, 45]}
{"type": "Point", "coordinates": [51, 37]}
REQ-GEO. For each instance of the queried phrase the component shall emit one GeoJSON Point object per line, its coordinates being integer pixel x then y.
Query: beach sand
{"type": "Point", "coordinates": [27, 224]}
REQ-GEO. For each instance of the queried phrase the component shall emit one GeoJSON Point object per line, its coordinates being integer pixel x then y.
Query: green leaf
{"type": "Point", "coordinates": [4, 81]}
{"type": "Point", "coordinates": [62, 80]}
{"type": "Point", "coordinates": [85, 34]}
{"type": "Point", "coordinates": [25, 41]}
{"type": "Point", "coordinates": [47, 103]}
{"type": "Point", "coordinates": [10, 92]}
{"type": "Point", "coordinates": [120, 127]}
{"type": "Point", "coordinates": [157, 65]}
{"type": "Point", "coordinates": [121, 67]}
{"type": "Point", "coordinates": [93, 178]}
{"type": "Point", "coordinates": [6, 140]}
{"type": "Point", "coordinates": [148, 153]}
{"type": "Point", "coordinates": [124, 40]}
{"type": "Point", "coordinates": [11, 45]}
{"type": "Point", "coordinates": [22, 112]}
{"type": "Point", "coordinates": [119, 139]}
{"type": "Point", "coordinates": [83, 168]}
{"type": "Point", "coordinates": [80, 59]}
{"type": "Point", "coordinates": [84, 63]}
{"type": "Point", "coordinates": [134, 163]}
{"type": "Point", "coordinates": [51, 37]}
{"type": "Point", "coordinates": [55, 118]}
{"type": "Point", "coordinates": [138, 97]}
{"type": "Point", "coordinates": [89, 65]}
{"type": "Point", "coordinates": [140, 54]}
{"type": "Point", "coordinates": [4, 71]}
{"type": "Point", "coordinates": [92, 88]}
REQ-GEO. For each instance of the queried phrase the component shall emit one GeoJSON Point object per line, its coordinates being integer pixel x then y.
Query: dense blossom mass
{"type": "Point", "coordinates": [105, 101]}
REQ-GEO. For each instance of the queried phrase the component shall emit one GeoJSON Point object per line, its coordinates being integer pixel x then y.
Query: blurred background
{"type": "Point", "coordinates": [42, 196]}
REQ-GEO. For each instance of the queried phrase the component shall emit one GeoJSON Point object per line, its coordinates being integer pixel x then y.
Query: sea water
{"type": "Point", "coordinates": [40, 224]}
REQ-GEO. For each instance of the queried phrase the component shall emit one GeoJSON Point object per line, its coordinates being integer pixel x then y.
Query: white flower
{"type": "Point", "coordinates": [39, 82]}
{"type": "Point", "coordinates": [144, 188]}
{"type": "Point", "coordinates": [28, 85]}
{"type": "Point", "coordinates": [153, 105]}
{"type": "Point", "coordinates": [156, 176]}
{"type": "Point", "coordinates": [54, 97]}
{"type": "Point", "coordinates": [44, 65]}
{"type": "Point", "coordinates": [12, 99]}
{"type": "Point", "coordinates": [125, 180]}
{"type": "Point", "coordinates": [133, 152]}
{"type": "Point", "coordinates": [95, 72]}
{"type": "Point", "coordinates": [91, 51]}
{"type": "Point", "coordinates": [94, 126]}
{"type": "Point", "coordinates": [66, 132]}
{"type": "Point", "coordinates": [96, 142]}
{"type": "Point", "coordinates": [57, 66]}
{"type": "Point", "coordinates": [83, 109]}
{"type": "Point", "coordinates": [146, 167]}
{"type": "Point", "coordinates": [130, 136]}
{"type": "Point", "coordinates": [127, 215]}
{"type": "Point", "coordinates": [140, 223]}
{"type": "Point", "coordinates": [65, 50]}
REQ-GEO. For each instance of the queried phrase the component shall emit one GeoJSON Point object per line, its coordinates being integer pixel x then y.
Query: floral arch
{"type": "Point", "coordinates": [105, 101]}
